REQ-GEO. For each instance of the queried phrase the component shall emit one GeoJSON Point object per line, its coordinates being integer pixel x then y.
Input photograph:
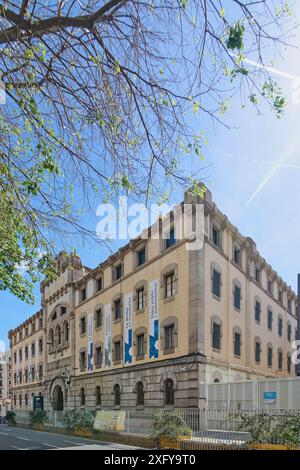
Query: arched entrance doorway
{"type": "Point", "coordinates": [58, 398]}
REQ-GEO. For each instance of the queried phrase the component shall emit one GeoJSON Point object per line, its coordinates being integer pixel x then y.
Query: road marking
{"type": "Point", "coordinates": [49, 445]}
{"type": "Point", "coordinates": [23, 438]}
{"type": "Point", "coordinates": [3, 434]}
{"type": "Point", "coordinates": [76, 443]}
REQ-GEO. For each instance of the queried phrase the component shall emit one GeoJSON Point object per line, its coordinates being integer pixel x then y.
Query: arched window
{"type": "Point", "coordinates": [51, 338]}
{"type": "Point", "coordinates": [98, 395]}
{"type": "Point", "coordinates": [58, 334]}
{"type": "Point", "coordinates": [140, 394]}
{"type": "Point", "coordinates": [169, 392]}
{"type": "Point", "coordinates": [117, 394]}
{"type": "Point", "coordinates": [66, 331]}
{"type": "Point", "coordinates": [82, 397]}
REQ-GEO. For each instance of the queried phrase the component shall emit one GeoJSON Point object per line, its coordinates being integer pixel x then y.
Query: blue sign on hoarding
{"type": "Point", "coordinates": [270, 397]}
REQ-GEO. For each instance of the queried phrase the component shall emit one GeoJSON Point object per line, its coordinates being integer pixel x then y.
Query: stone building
{"type": "Point", "coordinates": [155, 322]}
{"type": "Point", "coordinates": [5, 382]}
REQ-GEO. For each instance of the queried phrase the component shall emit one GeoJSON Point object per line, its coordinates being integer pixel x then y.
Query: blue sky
{"type": "Point", "coordinates": [253, 171]}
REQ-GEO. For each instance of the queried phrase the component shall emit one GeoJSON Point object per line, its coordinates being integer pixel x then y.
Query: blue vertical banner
{"type": "Point", "coordinates": [153, 313]}
{"type": "Point", "coordinates": [128, 329]}
{"type": "Point", "coordinates": [90, 343]}
{"type": "Point", "coordinates": [107, 336]}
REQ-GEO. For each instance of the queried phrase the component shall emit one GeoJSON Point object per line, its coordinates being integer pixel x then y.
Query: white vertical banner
{"type": "Point", "coordinates": [90, 343]}
{"type": "Point", "coordinates": [23, 364]}
{"type": "Point", "coordinates": [18, 367]}
{"type": "Point", "coordinates": [107, 336]}
{"type": "Point", "coordinates": [128, 329]}
{"type": "Point", "coordinates": [153, 314]}
{"type": "Point", "coordinates": [37, 354]}
{"type": "Point", "coordinates": [29, 363]}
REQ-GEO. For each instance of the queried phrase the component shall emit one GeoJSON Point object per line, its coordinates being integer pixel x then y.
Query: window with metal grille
{"type": "Point", "coordinates": [270, 356]}
{"type": "Point", "coordinates": [169, 285]}
{"type": "Point", "coordinates": [237, 344]}
{"type": "Point", "coordinates": [117, 350]}
{"type": "Point", "coordinates": [98, 395]}
{"type": "Point", "coordinates": [257, 311]}
{"type": "Point", "coordinates": [140, 339]}
{"type": "Point", "coordinates": [118, 309]}
{"type": "Point", "coordinates": [216, 336]}
{"type": "Point", "coordinates": [280, 360]}
{"type": "Point", "coordinates": [169, 336]}
{"type": "Point", "coordinates": [216, 283]}
{"type": "Point", "coordinates": [140, 395]}
{"type": "Point", "coordinates": [237, 297]}
{"type": "Point", "coordinates": [98, 318]}
{"type": "Point", "coordinates": [117, 394]}
{"type": "Point", "coordinates": [98, 356]}
{"type": "Point", "coordinates": [141, 298]}
{"type": "Point", "coordinates": [257, 351]}
{"type": "Point", "coordinates": [270, 319]}
{"type": "Point", "coordinates": [169, 392]}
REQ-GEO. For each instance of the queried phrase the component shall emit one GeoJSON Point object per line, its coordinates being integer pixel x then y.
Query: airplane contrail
{"type": "Point", "coordinates": [256, 160]}
{"type": "Point", "coordinates": [270, 69]}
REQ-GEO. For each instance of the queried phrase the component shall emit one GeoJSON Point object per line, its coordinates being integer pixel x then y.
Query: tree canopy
{"type": "Point", "coordinates": [101, 96]}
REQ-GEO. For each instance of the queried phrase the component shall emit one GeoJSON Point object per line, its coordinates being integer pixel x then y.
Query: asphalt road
{"type": "Point", "coordinates": [13, 438]}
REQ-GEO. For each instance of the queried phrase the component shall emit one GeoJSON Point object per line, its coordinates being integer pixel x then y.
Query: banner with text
{"type": "Point", "coordinates": [107, 336]}
{"type": "Point", "coordinates": [128, 329]}
{"type": "Point", "coordinates": [153, 312]}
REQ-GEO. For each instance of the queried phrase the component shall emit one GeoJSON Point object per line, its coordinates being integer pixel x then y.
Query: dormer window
{"type": "Point", "coordinates": [99, 284]}
{"type": "Point", "coordinates": [216, 236]}
{"type": "Point", "coordinates": [236, 255]}
{"type": "Point", "coordinates": [141, 256]}
{"type": "Point", "coordinates": [83, 294]}
{"type": "Point", "coordinates": [280, 296]}
{"type": "Point", "coordinates": [118, 271]}
{"type": "Point", "coordinates": [270, 286]}
{"type": "Point", "coordinates": [257, 274]}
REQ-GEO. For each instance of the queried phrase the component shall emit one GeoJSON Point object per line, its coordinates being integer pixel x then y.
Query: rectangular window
{"type": "Point", "coordinates": [280, 360]}
{"type": "Point", "coordinates": [141, 298]}
{"type": "Point", "coordinates": [280, 296]}
{"type": "Point", "coordinates": [289, 332]}
{"type": "Point", "coordinates": [98, 318]}
{"type": "Point", "coordinates": [216, 237]}
{"type": "Point", "coordinates": [82, 360]}
{"type": "Point", "coordinates": [141, 256]}
{"type": "Point", "coordinates": [237, 297]}
{"type": "Point", "coordinates": [171, 240]}
{"type": "Point", "coordinates": [237, 255]}
{"type": "Point", "coordinates": [118, 309]}
{"type": "Point", "coordinates": [280, 326]}
{"type": "Point", "coordinates": [63, 310]}
{"type": "Point", "coordinates": [83, 294]}
{"type": "Point", "coordinates": [33, 327]}
{"type": "Point", "coordinates": [270, 287]}
{"type": "Point", "coordinates": [270, 319]}
{"type": "Point", "coordinates": [290, 305]}
{"type": "Point", "coordinates": [169, 337]}
{"type": "Point", "coordinates": [257, 351]}
{"type": "Point", "coordinates": [118, 271]}
{"type": "Point", "coordinates": [99, 284]}
{"type": "Point", "coordinates": [117, 350]}
{"type": "Point", "coordinates": [270, 357]}
{"type": "Point", "coordinates": [216, 336]}
{"type": "Point", "coordinates": [169, 285]}
{"type": "Point", "coordinates": [33, 349]}
{"type": "Point", "coordinates": [289, 364]}
{"type": "Point", "coordinates": [40, 323]}
{"type": "Point", "coordinates": [216, 283]}
{"type": "Point", "coordinates": [40, 345]}
{"type": "Point", "coordinates": [140, 339]}
{"type": "Point", "coordinates": [99, 356]}
{"type": "Point", "coordinates": [257, 274]}
{"type": "Point", "coordinates": [257, 311]}
{"type": "Point", "coordinates": [237, 344]}
{"type": "Point", "coordinates": [82, 325]}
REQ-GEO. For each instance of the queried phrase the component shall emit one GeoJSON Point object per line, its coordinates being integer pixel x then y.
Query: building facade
{"type": "Point", "coordinates": [5, 382]}
{"type": "Point", "coordinates": [155, 322]}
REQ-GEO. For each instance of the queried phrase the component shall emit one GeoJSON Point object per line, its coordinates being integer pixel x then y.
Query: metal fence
{"type": "Point", "coordinates": [212, 428]}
